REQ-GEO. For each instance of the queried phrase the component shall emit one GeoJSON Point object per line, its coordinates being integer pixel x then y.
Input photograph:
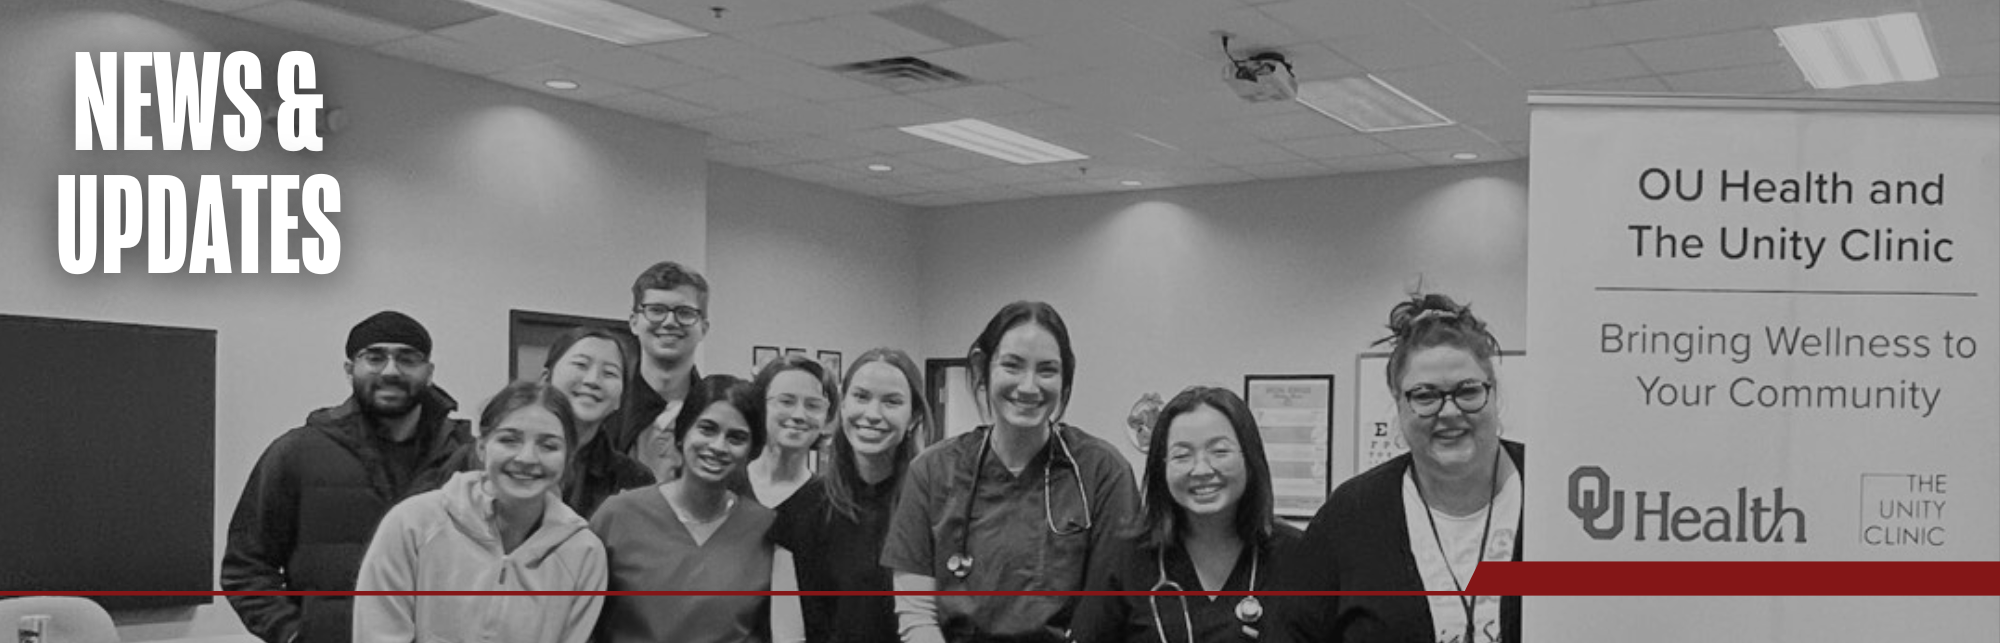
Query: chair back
{"type": "Point", "coordinates": [72, 619]}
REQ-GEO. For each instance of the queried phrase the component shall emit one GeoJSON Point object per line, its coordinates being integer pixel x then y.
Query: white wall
{"type": "Point", "coordinates": [797, 264]}
{"type": "Point", "coordinates": [462, 198]}
{"type": "Point", "coordinates": [1170, 288]}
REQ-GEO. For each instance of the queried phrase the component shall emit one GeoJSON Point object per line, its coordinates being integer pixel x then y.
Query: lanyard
{"type": "Point", "coordinates": [1493, 494]}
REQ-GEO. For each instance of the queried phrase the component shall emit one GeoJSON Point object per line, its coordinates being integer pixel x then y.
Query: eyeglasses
{"type": "Point", "coordinates": [658, 314]}
{"type": "Point", "coordinates": [813, 405]}
{"type": "Point", "coordinates": [1469, 397]}
{"type": "Point", "coordinates": [376, 359]}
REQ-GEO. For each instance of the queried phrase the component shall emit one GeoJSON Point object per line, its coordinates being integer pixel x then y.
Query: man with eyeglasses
{"type": "Point", "coordinates": [670, 318]}
{"type": "Point", "coordinates": [314, 497]}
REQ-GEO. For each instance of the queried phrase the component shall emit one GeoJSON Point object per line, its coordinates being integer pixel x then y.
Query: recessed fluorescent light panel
{"type": "Point", "coordinates": [601, 19]}
{"type": "Point", "coordinates": [1861, 51]}
{"type": "Point", "coordinates": [1367, 104]}
{"type": "Point", "coordinates": [975, 135]}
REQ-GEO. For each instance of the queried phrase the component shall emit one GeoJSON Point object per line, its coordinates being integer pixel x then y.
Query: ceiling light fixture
{"type": "Point", "coordinates": [600, 19]}
{"type": "Point", "coordinates": [1861, 51]}
{"type": "Point", "coordinates": [1130, 183]}
{"type": "Point", "coordinates": [1465, 156]}
{"type": "Point", "coordinates": [1368, 104]}
{"type": "Point", "coordinates": [975, 135]}
{"type": "Point", "coordinates": [558, 83]}
{"type": "Point", "coordinates": [878, 167]}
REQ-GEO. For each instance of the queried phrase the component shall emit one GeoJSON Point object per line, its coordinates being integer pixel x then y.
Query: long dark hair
{"type": "Point", "coordinates": [1165, 523]}
{"type": "Point", "coordinates": [843, 469]}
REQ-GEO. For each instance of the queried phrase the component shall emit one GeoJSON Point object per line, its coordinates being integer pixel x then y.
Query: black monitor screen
{"type": "Point", "coordinates": [109, 434]}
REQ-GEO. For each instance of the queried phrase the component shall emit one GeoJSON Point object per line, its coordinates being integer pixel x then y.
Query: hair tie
{"type": "Point", "coordinates": [1440, 313]}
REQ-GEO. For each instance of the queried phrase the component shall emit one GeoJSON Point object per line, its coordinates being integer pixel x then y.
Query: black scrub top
{"type": "Point", "coordinates": [833, 552]}
{"type": "Point", "coordinates": [1136, 568]}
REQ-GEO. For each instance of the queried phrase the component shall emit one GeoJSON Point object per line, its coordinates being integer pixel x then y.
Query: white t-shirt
{"type": "Point", "coordinates": [1460, 537]}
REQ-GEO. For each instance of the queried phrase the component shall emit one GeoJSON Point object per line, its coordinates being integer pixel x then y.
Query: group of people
{"type": "Point", "coordinates": [633, 472]}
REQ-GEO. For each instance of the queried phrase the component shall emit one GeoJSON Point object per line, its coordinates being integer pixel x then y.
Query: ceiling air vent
{"type": "Point", "coordinates": [903, 74]}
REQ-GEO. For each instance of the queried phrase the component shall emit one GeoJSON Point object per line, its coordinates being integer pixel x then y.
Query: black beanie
{"type": "Point", "coordinates": [388, 327]}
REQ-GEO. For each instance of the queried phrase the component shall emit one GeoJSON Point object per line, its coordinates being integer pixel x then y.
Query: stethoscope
{"type": "Point", "coordinates": [960, 563]}
{"type": "Point", "coordinates": [1248, 610]}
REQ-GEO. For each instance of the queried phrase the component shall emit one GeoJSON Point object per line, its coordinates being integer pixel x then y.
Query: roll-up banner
{"type": "Point", "coordinates": [1765, 330]}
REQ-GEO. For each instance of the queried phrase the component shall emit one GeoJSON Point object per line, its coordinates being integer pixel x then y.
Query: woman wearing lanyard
{"type": "Point", "coordinates": [1023, 504]}
{"type": "Point", "coordinates": [1424, 520]}
{"type": "Point", "coordinates": [830, 533]}
{"type": "Point", "coordinates": [693, 533]}
{"type": "Point", "coordinates": [1208, 527]}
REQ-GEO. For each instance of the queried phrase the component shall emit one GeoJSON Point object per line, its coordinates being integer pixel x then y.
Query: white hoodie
{"type": "Point", "coordinates": [443, 540]}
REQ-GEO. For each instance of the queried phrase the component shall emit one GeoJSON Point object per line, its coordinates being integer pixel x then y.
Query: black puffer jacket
{"type": "Point", "coordinates": [308, 511]}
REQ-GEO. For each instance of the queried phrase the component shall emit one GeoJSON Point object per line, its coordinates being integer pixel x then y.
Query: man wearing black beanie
{"type": "Point", "coordinates": [314, 498]}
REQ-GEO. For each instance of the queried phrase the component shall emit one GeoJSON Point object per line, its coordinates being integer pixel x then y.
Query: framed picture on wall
{"type": "Point", "coordinates": [831, 360]}
{"type": "Point", "coordinates": [530, 333]}
{"type": "Point", "coordinates": [761, 355]}
{"type": "Point", "coordinates": [1295, 415]}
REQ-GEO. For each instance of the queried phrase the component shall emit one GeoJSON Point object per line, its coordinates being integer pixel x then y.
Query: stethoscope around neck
{"type": "Point", "coordinates": [960, 562]}
{"type": "Point", "coordinates": [1248, 610]}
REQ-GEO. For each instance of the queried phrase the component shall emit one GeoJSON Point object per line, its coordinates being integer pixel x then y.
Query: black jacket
{"type": "Point", "coordinates": [1360, 541]}
{"type": "Point", "coordinates": [309, 510]}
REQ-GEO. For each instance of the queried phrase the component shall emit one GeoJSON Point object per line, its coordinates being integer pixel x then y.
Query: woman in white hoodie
{"type": "Point", "coordinates": [499, 528]}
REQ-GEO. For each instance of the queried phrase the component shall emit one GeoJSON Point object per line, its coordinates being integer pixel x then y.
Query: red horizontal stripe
{"type": "Point", "coordinates": [1495, 578]}
{"type": "Point", "coordinates": [1736, 578]}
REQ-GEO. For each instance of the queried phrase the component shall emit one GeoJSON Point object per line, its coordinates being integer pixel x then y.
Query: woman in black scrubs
{"type": "Point", "coordinates": [1208, 527]}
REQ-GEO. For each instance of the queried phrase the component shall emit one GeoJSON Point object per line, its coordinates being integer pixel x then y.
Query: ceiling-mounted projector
{"type": "Point", "coordinates": [1261, 78]}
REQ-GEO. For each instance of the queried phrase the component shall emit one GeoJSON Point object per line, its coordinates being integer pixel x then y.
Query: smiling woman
{"type": "Point", "coordinates": [500, 527]}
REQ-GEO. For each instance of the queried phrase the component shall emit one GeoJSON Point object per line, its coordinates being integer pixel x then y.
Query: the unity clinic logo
{"type": "Point", "coordinates": [1601, 508]}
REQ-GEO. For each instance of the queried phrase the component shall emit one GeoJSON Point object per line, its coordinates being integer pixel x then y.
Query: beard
{"type": "Point", "coordinates": [404, 396]}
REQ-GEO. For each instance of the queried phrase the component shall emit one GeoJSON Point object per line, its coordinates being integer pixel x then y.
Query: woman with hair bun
{"type": "Point", "coordinates": [1424, 520]}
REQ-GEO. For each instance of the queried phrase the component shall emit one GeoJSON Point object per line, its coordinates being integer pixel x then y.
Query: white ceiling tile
{"type": "Point", "coordinates": [1759, 79]}
{"type": "Point", "coordinates": [1313, 62]}
{"type": "Point", "coordinates": [894, 110]}
{"type": "Point", "coordinates": [1250, 30]}
{"type": "Point", "coordinates": [945, 157]}
{"type": "Point", "coordinates": [813, 148]}
{"type": "Point", "coordinates": [523, 37]}
{"type": "Point", "coordinates": [323, 22]}
{"type": "Point", "coordinates": [1488, 153]}
{"type": "Point", "coordinates": [1292, 126]}
{"type": "Point", "coordinates": [455, 55]}
{"type": "Point", "coordinates": [1025, 18]}
{"type": "Point", "coordinates": [1963, 23]}
{"type": "Point", "coordinates": [741, 130]}
{"type": "Point", "coordinates": [1391, 50]}
{"type": "Point", "coordinates": [1119, 45]}
{"type": "Point", "coordinates": [1432, 138]}
{"type": "Point", "coordinates": [1004, 61]}
{"type": "Point", "coordinates": [656, 107]}
{"type": "Point", "coordinates": [880, 187]}
{"type": "Point", "coordinates": [823, 8]}
{"type": "Point", "coordinates": [896, 36]}
{"type": "Point", "coordinates": [1490, 105]}
{"type": "Point", "coordinates": [818, 43]}
{"type": "Point", "coordinates": [1640, 84]}
{"type": "Point", "coordinates": [222, 6]}
{"type": "Point", "coordinates": [1505, 130]}
{"type": "Point", "coordinates": [980, 101]}
{"type": "Point", "coordinates": [1373, 163]}
{"type": "Point", "coordinates": [748, 156]}
{"type": "Point", "coordinates": [1258, 154]}
{"type": "Point", "coordinates": [814, 172]}
{"type": "Point", "coordinates": [941, 181]}
{"type": "Point", "coordinates": [930, 200]}
{"type": "Point", "coordinates": [1580, 66]}
{"type": "Point", "coordinates": [814, 83]}
{"type": "Point", "coordinates": [1712, 51]}
{"type": "Point", "coordinates": [1333, 147]}
{"type": "Point", "coordinates": [1655, 19]}
{"type": "Point", "coordinates": [887, 141]}
{"type": "Point", "coordinates": [588, 87]}
{"type": "Point", "coordinates": [729, 95]}
{"type": "Point", "coordinates": [1060, 188]}
{"type": "Point", "coordinates": [1289, 170]}
{"type": "Point", "coordinates": [1970, 60]}
{"type": "Point", "coordinates": [1778, 13]}
{"type": "Point", "coordinates": [636, 68]}
{"type": "Point", "coordinates": [991, 193]}
{"type": "Point", "coordinates": [737, 15]}
{"type": "Point", "coordinates": [1336, 20]}
{"type": "Point", "coordinates": [1452, 12]}
{"type": "Point", "coordinates": [1209, 176]}
{"type": "Point", "coordinates": [727, 55]}
{"type": "Point", "coordinates": [897, 168]}
{"type": "Point", "coordinates": [814, 118]}
{"type": "Point", "coordinates": [1533, 34]}
{"type": "Point", "coordinates": [1202, 136]}
{"type": "Point", "coordinates": [1013, 175]}
{"type": "Point", "coordinates": [1463, 77]}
